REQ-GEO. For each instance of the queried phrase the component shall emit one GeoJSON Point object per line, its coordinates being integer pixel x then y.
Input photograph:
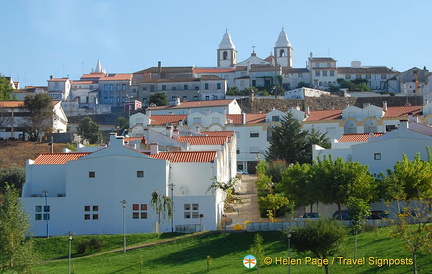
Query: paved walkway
{"type": "Point", "coordinates": [248, 209]}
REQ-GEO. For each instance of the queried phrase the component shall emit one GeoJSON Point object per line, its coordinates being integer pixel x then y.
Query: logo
{"type": "Point", "coordinates": [249, 261]}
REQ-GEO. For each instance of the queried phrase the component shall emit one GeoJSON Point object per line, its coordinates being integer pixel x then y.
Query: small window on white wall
{"type": "Point", "coordinates": [377, 156]}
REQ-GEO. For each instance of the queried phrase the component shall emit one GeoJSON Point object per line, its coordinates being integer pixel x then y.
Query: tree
{"type": "Point", "coordinates": [15, 176]}
{"type": "Point", "coordinates": [122, 123]}
{"type": "Point", "coordinates": [272, 203]}
{"type": "Point", "coordinates": [89, 130]}
{"type": "Point", "coordinates": [357, 209]}
{"type": "Point", "coordinates": [162, 206]}
{"type": "Point", "coordinates": [410, 181]}
{"type": "Point", "coordinates": [291, 143]}
{"type": "Point", "coordinates": [257, 250]}
{"type": "Point", "coordinates": [323, 238]}
{"type": "Point", "coordinates": [337, 180]}
{"type": "Point", "coordinates": [6, 89]}
{"type": "Point", "coordinates": [16, 251]}
{"type": "Point", "coordinates": [159, 99]}
{"type": "Point", "coordinates": [40, 108]}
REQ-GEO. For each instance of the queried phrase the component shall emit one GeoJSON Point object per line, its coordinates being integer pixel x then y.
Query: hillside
{"type": "Point", "coordinates": [15, 153]}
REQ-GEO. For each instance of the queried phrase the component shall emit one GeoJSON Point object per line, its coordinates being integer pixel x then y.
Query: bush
{"type": "Point", "coordinates": [93, 244]}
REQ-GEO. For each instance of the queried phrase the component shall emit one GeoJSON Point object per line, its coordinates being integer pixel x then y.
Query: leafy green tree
{"type": "Point", "coordinates": [357, 209]}
{"type": "Point", "coordinates": [6, 89]}
{"type": "Point", "coordinates": [163, 206]}
{"type": "Point", "coordinates": [291, 143]}
{"type": "Point", "coordinates": [336, 181]}
{"type": "Point", "coordinates": [233, 91]}
{"type": "Point", "coordinates": [410, 181]}
{"type": "Point", "coordinates": [40, 108]}
{"type": "Point", "coordinates": [122, 123]}
{"type": "Point", "coordinates": [159, 99]}
{"type": "Point", "coordinates": [14, 176]}
{"type": "Point", "coordinates": [273, 202]}
{"type": "Point", "coordinates": [257, 250]}
{"type": "Point", "coordinates": [16, 251]}
{"type": "Point", "coordinates": [324, 238]}
{"type": "Point", "coordinates": [89, 130]}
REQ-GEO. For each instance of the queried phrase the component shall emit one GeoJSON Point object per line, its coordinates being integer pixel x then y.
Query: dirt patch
{"type": "Point", "coordinates": [15, 153]}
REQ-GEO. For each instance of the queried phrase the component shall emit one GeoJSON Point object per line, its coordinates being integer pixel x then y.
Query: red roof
{"type": "Point", "coordinates": [357, 137]}
{"type": "Point", "coordinates": [116, 77]}
{"type": "Point", "coordinates": [58, 80]}
{"type": "Point", "coordinates": [197, 104]}
{"type": "Point", "coordinates": [251, 118]}
{"type": "Point", "coordinates": [320, 115]}
{"type": "Point", "coordinates": [130, 139]}
{"type": "Point", "coordinates": [213, 70]}
{"type": "Point", "coordinates": [226, 133]}
{"type": "Point", "coordinates": [93, 75]}
{"type": "Point", "coordinates": [187, 156]}
{"type": "Point", "coordinates": [58, 158]}
{"type": "Point", "coordinates": [403, 111]}
{"type": "Point", "coordinates": [81, 82]}
{"type": "Point", "coordinates": [11, 104]}
{"type": "Point", "coordinates": [166, 119]}
{"type": "Point", "coordinates": [203, 140]}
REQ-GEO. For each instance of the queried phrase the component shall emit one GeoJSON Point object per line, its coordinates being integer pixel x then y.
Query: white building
{"type": "Point", "coordinates": [84, 191]}
{"type": "Point", "coordinates": [227, 106]}
{"type": "Point", "coordinates": [301, 93]}
{"type": "Point", "coordinates": [59, 88]}
{"type": "Point", "coordinates": [13, 119]}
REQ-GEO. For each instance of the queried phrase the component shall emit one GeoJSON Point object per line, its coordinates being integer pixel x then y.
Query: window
{"type": "Point", "coordinates": [254, 135]}
{"type": "Point", "coordinates": [275, 118]}
{"type": "Point", "coordinates": [184, 98]}
{"type": "Point", "coordinates": [368, 76]}
{"type": "Point", "coordinates": [207, 98]}
{"type": "Point", "coordinates": [111, 86]}
{"type": "Point", "coordinates": [317, 73]}
{"type": "Point", "coordinates": [238, 151]}
{"type": "Point", "coordinates": [348, 76]}
{"type": "Point", "coordinates": [195, 98]}
{"type": "Point", "coordinates": [174, 88]}
{"type": "Point", "coordinates": [105, 87]}
{"type": "Point", "coordinates": [92, 174]}
{"type": "Point", "coordinates": [195, 215]}
{"type": "Point", "coordinates": [324, 72]}
{"type": "Point", "coordinates": [140, 173]}
{"type": "Point", "coordinates": [282, 53]}
{"type": "Point", "coordinates": [185, 87]}
{"type": "Point", "coordinates": [152, 88]}
{"type": "Point", "coordinates": [358, 76]}
{"type": "Point", "coordinates": [124, 88]}
{"type": "Point", "coordinates": [377, 156]}
{"type": "Point", "coordinates": [329, 65]}
{"type": "Point", "coordinates": [300, 75]}
{"type": "Point", "coordinates": [186, 206]}
{"type": "Point", "coordinates": [42, 212]}
{"type": "Point", "coordinates": [195, 206]}
{"type": "Point", "coordinates": [225, 55]}
{"type": "Point", "coordinates": [91, 212]}
{"type": "Point", "coordinates": [187, 215]}
{"type": "Point", "coordinates": [163, 87]}
{"type": "Point", "coordinates": [332, 73]}
{"type": "Point", "coordinates": [139, 211]}
{"type": "Point", "coordinates": [383, 76]}
{"type": "Point", "coordinates": [118, 87]}
{"type": "Point", "coordinates": [218, 85]}
{"type": "Point", "coordinates": [191, 211]}
{"type": "Point", "coordinates": [206, 86]}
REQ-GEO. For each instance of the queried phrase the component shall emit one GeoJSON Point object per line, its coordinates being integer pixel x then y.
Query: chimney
{"type": "Point", "coordinates": [244, 118]}
{"type": "Point", "coordinates": [404, 124]}
{"type": "Point", "coordinates": [176, 133]}
{"type": "Point", "coordinates": [169, 131]}
{"type": "Point", "coordinates": [224, 112]}
{"type": "Point", "coordinates": [385, 105]}
{"type": "Point", "coordinates": [116, 140]}
{"type": "Point", "coordinates": [159, 69]}
{"type": "Point", "coordinates": [197, 129]}
{"type": "Point", "coordinates": [426, 101]}
{"type": "Point", "coordinates": [149, 112]}
{"type": "Point", "coordinates": [154, 148]}
{"type": "Point", "coordinates": [371, 135]}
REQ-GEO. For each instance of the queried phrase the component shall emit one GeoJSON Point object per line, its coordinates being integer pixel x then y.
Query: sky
{"type": "Point", "coordinates": [66, 38]}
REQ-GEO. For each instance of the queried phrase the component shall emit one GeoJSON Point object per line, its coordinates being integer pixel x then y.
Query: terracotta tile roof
{"type": "Point", "coordinates": [130, 139]}
{"type": "Point", "coordinates": [286, 70]}
{"type": "Point", "coordinates": [226, 133]}
{"type": "Point", "coordinates": [251, 118]}
{"type": "Point", "coordinates": [92, 75]}
{"type": "Point", "coordinates": [322, 59]}
{"type": "Point", "coordinates": [166, 70]}
{"type": "Point", "coordinates": [403, 111]}
{"type": "Point", "coordinates": [357, 137]}
{"type": "Point", "coordinates": [11, 104]}
{"type": "Point", "coordinates": [197, 104]}
{"type": "Point", "coordinates": [186, 156]}
{"type": "Point", "coordinates": [213, 70]}
{"type": "Point", "coordinates": [82, 82]}
{"type": "Point", "coordinates": [203, 140]}
{"type": "Point", "coordinates": [321, 115]}
{"type": "Point", "coordinates": [58, 158]}
{"type": "Point", "coordinates": [258, 68]}
{"type": "Point", "coordinates": [166, 119]}
{"type": "Point", "coordinates": [58, 80]}
{"type": "Point", "coordinates": [116, 77]}
{"type": "Point", "coordinates": [170, 80]}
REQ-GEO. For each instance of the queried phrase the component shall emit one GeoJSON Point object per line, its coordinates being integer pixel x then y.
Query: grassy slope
{"type": "Point", "coordinates": [188, 255]}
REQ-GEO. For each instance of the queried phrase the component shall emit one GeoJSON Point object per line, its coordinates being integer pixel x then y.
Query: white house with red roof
{"type": "Point", "coordinates": [13, 119]}
{"type": "Point", "coordinates": [228, 106]}
{"type": "Point", "coordinates": [59, 88]}
{"type": "Point", "coordinates": [85, 192]}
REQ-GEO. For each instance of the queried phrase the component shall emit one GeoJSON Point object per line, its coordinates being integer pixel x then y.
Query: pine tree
{"type": "Point", "coordinates": [16, 251]}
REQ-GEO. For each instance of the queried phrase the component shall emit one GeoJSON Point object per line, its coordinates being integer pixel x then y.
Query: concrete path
{"type": "Point", "coordinates": [247, 210]}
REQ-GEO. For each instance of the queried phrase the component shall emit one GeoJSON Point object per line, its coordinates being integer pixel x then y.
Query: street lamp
{"type": "Point", "coordinates": [70, 251]}
{"type": "Point", "coordinates": [124, 226]}
{"type": "Point", "coordinates": [172, 185]}
{"type": "Point", "coordinates": [289, 250]}
{"type": "Point", "coordinates": [46, 209]}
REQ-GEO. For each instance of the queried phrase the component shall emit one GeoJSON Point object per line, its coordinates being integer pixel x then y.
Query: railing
{"type": "Point", "coordinates": [189, 228]}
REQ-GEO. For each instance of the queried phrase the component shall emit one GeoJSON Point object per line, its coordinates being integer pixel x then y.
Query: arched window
{"type": "Point", "coordinates": [225, 55]}
{"type": "Point", "coordinates": [282, 53]}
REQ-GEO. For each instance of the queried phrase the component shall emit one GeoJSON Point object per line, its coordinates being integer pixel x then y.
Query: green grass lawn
{"type": "Point", "coordinates": [188, 254]}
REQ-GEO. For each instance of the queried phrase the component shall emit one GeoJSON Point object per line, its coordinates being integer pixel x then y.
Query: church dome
{"type": "Point", "coordinates": [226, 42]}
{"type": "Point", "coordinates": [282, 41]}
